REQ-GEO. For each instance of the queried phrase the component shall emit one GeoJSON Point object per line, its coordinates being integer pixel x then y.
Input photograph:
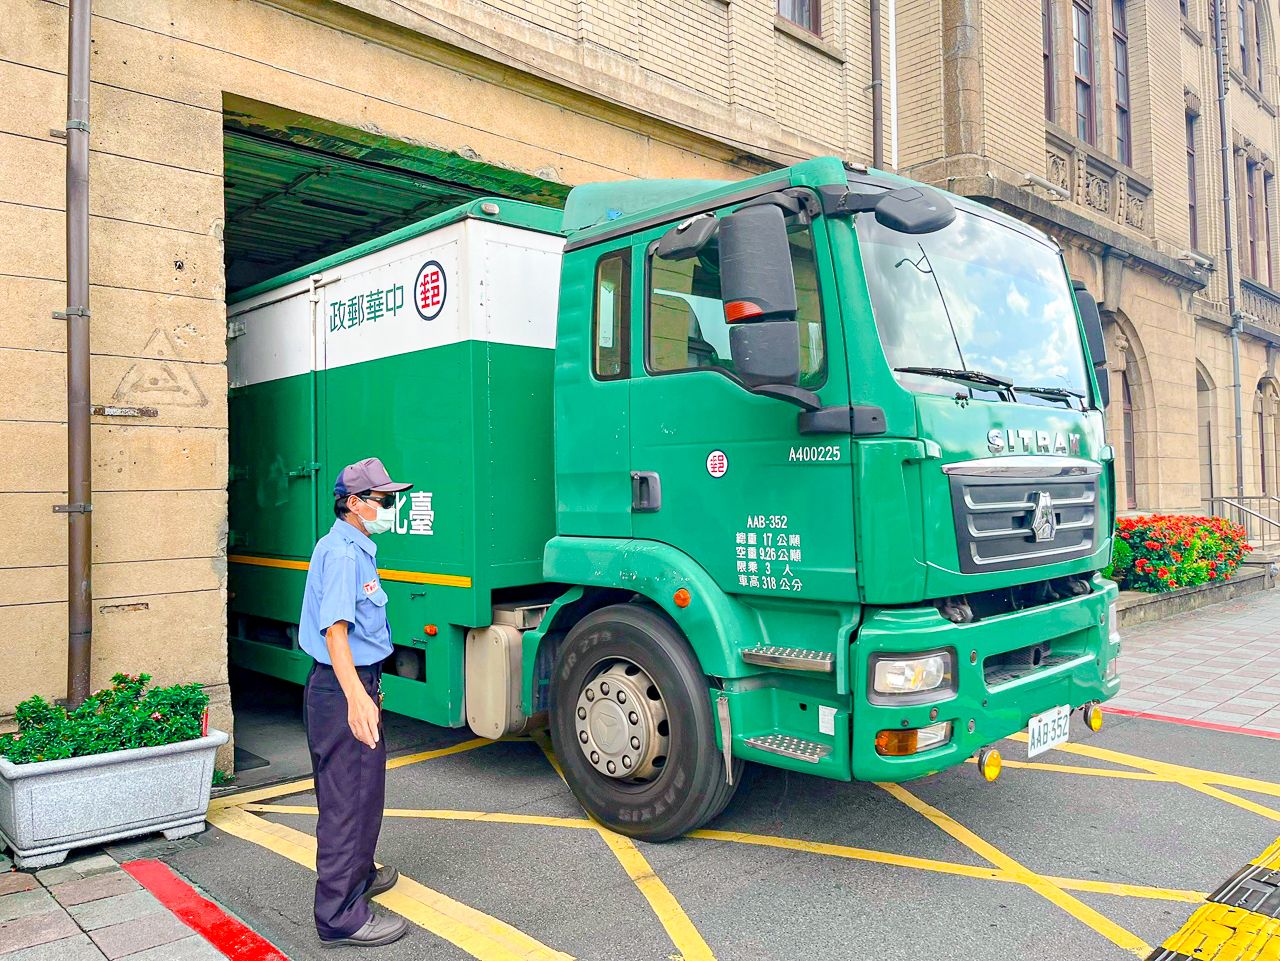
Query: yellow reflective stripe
{"type": "Point", "coordinates": [407, 577]}
{"type": "Point", "coordinates": [1270, 858]}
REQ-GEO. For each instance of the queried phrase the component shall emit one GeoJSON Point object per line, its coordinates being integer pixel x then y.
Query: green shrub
{"type": "Point", "coordinates": [122, 716]}
{"type": "Point", "coordinates": [1163, 553]}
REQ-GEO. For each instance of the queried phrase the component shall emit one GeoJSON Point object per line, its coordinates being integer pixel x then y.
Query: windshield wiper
{"type": "Point", "coordinates": [970, 378]}
{"type": "Point", "coordinates": [1053, 393]}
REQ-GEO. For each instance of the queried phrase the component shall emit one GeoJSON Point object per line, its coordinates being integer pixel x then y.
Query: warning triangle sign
{"type": "Point", "coordinates": [159, 381]}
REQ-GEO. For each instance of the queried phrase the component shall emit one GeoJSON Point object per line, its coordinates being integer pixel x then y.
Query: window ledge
{"type": "Point", "coordinates": [1255, 93]}
{"type": "Point", "coordinates": [1260, 288]}
{"type": "Point", "coordinates": [1192, 32]}
{"type": "Point", "coordinates": [796, 32]}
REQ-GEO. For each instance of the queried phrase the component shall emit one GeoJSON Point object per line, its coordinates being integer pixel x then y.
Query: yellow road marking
{"type": "Point", "coordinates": [242, 798]}
{"type": "Point", "coordinates": [1173, 772]}
{"type": "Point", "coordinates": [1069, 769]}
{"type": "Point", "coordinates": [409, 577]}
{"type": "Point", "coordinates": [689, 943]}
{"type": "Point", "coordinates": [1189, 777]}
{"type": "Point", "coordinates": [480, 935]}
{"type": "Point", "coordinates": [1041, 885]}
{"type": "Point", "coordinates": [1270, 858]}
{"type": "Point", "coordinates": [791, 844]}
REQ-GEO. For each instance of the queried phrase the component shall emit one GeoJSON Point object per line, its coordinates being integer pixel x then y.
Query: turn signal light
{"type": "Point", "coordinates": [900, 743]}
{"type": "Point", "coordinates": [1093, 717]}
{"type": "Point", "coordinates": [681, 597]}
{"type": "Point", "coordinates": [989, 763]}
{"type": "Point", "coordinates": [430, 630]}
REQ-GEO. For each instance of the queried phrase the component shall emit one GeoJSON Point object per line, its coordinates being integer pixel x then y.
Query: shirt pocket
{"type": "Point", "coordinates": [378, 598]}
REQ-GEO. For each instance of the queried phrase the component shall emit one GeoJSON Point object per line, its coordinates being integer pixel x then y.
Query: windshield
{"type": "Point", "coordinates": [975, 296]}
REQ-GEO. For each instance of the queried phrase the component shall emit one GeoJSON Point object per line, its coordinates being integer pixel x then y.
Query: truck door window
{"type": "Point", "coordinates": [611, 326]}
{"type": "Point", "coordinates": [686, 325]}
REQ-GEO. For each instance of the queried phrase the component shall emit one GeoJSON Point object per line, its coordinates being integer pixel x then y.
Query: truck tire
{"type": "Point", "coordinates": [633, 727]}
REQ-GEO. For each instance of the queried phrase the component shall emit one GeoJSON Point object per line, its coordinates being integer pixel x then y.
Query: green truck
{"type": "Point", "coordinates": [807, 470]}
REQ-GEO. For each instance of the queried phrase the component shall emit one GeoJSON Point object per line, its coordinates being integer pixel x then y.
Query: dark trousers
{"type": "Point", "coordinates": [350, 781]}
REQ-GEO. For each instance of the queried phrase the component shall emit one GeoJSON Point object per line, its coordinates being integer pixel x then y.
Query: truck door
{"type": "Point", "coordinates": [719, 472]}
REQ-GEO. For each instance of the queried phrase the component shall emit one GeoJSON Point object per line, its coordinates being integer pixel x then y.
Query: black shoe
{"type": "Point", "coordinates": [378, 930]}
{"type": "Point", "coordinates": [384, 879]}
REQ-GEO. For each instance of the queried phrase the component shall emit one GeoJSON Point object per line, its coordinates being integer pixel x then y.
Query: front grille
{"type": "Point", "coordinates": [996, 501]}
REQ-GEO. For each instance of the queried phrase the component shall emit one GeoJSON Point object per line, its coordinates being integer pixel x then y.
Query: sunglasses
{"type": "Point", "coordinates": [382, 500]}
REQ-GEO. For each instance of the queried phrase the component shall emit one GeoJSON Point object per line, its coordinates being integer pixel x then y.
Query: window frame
{"type": "Point", "coordinates": [1241, 7]}
{"type": "Point", "coordinates": [1193, 198]}
{"type": "Point", "coordinates": [1050, 73]}
{"type": "Point", "coordinates": [1251, 217]}
{"type": "Point", "coordinates": [1266, 224]}
{"type": "Point", "coordinates": [1257, 45]}
{"type": "Point", "coordinates": [1120, 52]}
{"type": "Point", "coordinates": [625, 255]}
{"type": "Point", "coordinates": [724, 372]}
{"type": "Point", "coordinates": [1081, 10]}
{"type": "Point", "coordinates": [815, 16]}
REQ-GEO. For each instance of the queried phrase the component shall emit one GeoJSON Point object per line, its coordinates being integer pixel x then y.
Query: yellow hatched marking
{"type": "Point", "coordinates": [1070, 769]}
{"type": "Point", "coordinates": [1041, 885]}
{"type": "Point", "coordinates": [408, 577]}
{"type": "Point", "coordinates": [1217, 932]}
{"type": "Point", "coordinates": [791, 844]}
{"type": "Point", "coordinates": [476, 933]}
{"type": "Point", "coordinates": [244, 798]}
{"type": "Point", "coordinates": [670, 914]}
{"type": "Point", "coordinates": [1189, 777]}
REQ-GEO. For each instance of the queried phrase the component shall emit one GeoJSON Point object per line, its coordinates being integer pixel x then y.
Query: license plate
{"type": "Point", "coordinates": [1048, 730]}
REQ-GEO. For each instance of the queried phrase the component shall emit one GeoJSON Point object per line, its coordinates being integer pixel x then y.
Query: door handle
{"type": "Point", "coordinates": [646, 492]}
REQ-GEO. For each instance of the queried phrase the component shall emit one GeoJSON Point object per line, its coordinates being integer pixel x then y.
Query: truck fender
{"type": "Point", "coordinates": [716, 625]}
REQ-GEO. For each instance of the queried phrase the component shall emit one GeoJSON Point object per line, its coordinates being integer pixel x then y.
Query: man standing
{"type": "Point", "coordinates": [344, 627]}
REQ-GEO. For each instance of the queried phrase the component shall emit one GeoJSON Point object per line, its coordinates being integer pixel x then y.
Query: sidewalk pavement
{"type": "Point", "coordinates": [90, 908]}
{"type": "Point", "coordinates": [1218, 665]}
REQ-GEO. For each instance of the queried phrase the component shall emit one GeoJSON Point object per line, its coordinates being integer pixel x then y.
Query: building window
{"type": "Point", "coordinates": [1082, 34]}
{"type": "Point", "coordinates": [803, 13]}
{"type": "Point", "coordinates": [1120, 38]}
{"type": "Point", "coordinates": [1251, 216]}
{"type": "Point", "coordinates": [1262, 443]}
{"type": "Point", "coordinates": [1046, 36]}
{"type": "Point", "coordinates": [1266, 225]}
{"type": "Point", "coordinates": [1244, 54]}
{"type": "Point", "coordinates": [1182, 5]}
{"type": "Point", "coordinates": [1257, 46]}
{"type": "Point", "coordinates": [1130, 473]}
{"type": "Point", "coordinates": [1192, 217]}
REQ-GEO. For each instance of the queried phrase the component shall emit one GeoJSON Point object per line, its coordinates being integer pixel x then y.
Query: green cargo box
{"type": "Point", "coordinates": [431, 348]}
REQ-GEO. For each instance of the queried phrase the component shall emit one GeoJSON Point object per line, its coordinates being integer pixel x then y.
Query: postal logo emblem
{"type": "Point", "coordinates": [371, 587]}
{"type": "Point", "coordinates": [717, 463]}
{"type": "Point", "coordinates": [1043, 522]}
{"type": "Point", "coordinates": [429, 290]}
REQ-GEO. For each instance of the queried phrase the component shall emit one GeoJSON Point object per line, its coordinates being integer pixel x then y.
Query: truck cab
{"type": "Point", "coordinates": [840, 436]}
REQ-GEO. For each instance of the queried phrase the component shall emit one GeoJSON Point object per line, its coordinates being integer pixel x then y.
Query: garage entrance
{"type": "Point", "coordinates": [298, 188]}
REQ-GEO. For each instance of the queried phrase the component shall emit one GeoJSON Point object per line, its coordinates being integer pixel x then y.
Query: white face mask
{"type": "Point", "coordinates": [383, 522]}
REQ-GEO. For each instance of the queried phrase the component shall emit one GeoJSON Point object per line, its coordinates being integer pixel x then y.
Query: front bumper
{"type": "Point", "coordinates": [979, 714]}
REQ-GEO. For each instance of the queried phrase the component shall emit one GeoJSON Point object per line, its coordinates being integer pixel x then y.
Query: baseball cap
{"type": "Point", "coordinates": [365, 475]}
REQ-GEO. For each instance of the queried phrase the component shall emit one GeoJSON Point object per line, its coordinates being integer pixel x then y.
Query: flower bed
{"type": "Point", "coordinates": [123, 716]}
{"type": "Point", "coordinates": [1165, 552]}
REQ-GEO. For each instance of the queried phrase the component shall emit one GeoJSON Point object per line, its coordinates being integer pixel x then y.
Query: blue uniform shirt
{"type": "Point", "coordinates": [343, 585]}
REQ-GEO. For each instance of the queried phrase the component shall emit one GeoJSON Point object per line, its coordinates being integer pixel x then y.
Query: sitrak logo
{"type": "Point", "coordinates": [1033, 442]}
{"type": "Point", "coordinates": [1044, 523]}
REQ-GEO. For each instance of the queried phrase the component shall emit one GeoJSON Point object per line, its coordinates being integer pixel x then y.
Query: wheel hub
{"type": "Point", "coordinates": [620, 722]}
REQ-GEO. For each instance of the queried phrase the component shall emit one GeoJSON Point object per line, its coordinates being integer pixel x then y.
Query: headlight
{"type": "Point", "coordinates": [912, 675]}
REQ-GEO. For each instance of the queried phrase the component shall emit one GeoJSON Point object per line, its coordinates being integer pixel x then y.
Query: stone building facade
{"type": "Point", "coordinates": [530, 97]}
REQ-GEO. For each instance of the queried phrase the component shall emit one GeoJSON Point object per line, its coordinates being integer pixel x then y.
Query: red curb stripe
{"type": "Point", "coordinates": [231, 937]}
{"type": "Point", "coordinates": [1190, 722]}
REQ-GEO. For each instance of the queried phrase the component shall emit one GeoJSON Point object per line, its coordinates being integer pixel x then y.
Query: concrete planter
{"type": "Point", "coordinates": [1135, 607]}
{"type": "Point", "coordinates": [49, 807]}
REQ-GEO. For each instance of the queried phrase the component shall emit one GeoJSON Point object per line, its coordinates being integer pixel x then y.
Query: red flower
{"type": "Point", "coordinates": [156, 716]}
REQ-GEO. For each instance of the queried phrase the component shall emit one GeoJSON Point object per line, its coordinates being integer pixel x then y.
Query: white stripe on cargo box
{"type": "Point", "coordinates": [511, 298]}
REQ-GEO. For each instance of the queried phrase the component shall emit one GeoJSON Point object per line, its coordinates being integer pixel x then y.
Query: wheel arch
{"type": "Point", "coordinates": [609, 571]}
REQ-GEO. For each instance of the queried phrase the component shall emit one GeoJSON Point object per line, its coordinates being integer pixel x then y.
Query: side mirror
{"type": "Point", "coordinates": [914, 210]}
{"type": "Point", "coordinates": [1094, 339]}
{"type": "Point", "coordinates": [758, 288]}
{"type": "Point", "coordinates": [766, 353]}
{"type": "Point", "coordinates": [686, 238]}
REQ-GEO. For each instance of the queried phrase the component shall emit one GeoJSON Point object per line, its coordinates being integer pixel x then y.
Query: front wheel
{"type": "Point", "coordinates": [633, 726]}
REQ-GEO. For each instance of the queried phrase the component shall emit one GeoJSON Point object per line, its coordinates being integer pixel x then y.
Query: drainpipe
{"type": "Point", "coordinates": [893, 84]}
{"type": "Point", "coordinates": [79, 482]}
{"type": "Point", "coordinates": [1220, 41]}
{"type": "Point", "coordinates": [877, 91]}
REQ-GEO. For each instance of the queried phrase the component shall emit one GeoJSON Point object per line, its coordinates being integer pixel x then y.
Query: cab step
{"type": "Point", "coordinates": [791, 658]}
{"type": "Point", "coordinates": [787, 746]}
